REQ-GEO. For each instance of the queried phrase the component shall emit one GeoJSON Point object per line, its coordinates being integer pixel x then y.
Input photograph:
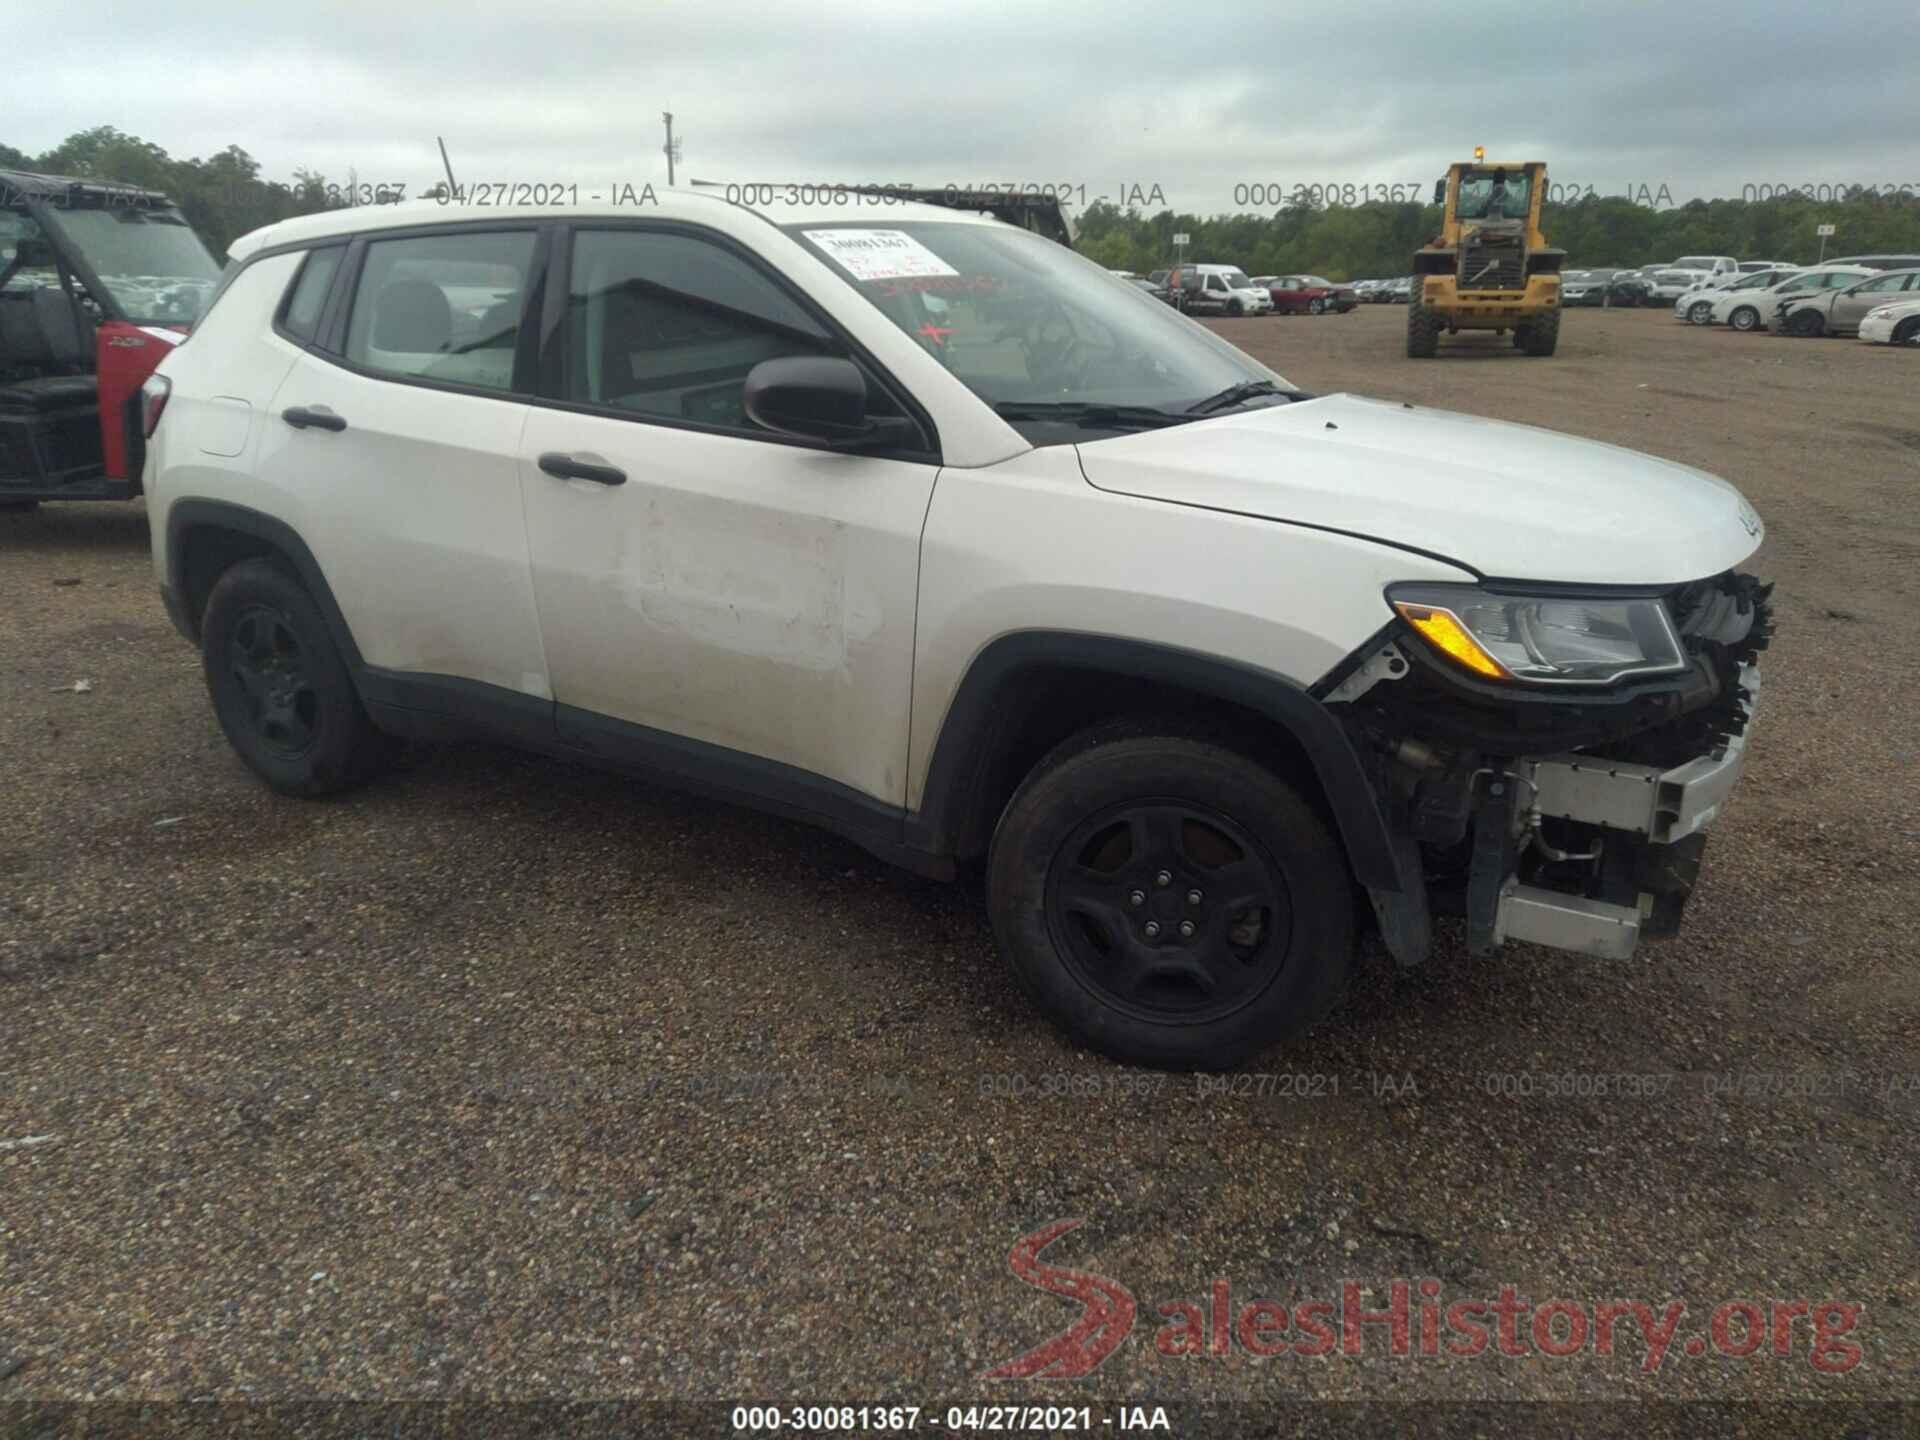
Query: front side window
{"type": "Point", "coordinates": [442, 307]}
{"type": "Point", "coordinates": [668, 325]}
{"type": "Point", "coordinates": [1031, 327]}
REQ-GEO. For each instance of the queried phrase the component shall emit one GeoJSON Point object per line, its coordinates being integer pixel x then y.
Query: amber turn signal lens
{"type": "Point", "coordinates": [1451, 638]}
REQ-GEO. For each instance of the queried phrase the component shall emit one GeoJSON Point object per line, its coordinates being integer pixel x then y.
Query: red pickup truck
{"type": "Point", "coordinates": [1307, 295]}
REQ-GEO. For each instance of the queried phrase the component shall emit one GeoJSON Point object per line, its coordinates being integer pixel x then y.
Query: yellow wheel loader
{"type": "Point", "coordinates": [1489, 268]}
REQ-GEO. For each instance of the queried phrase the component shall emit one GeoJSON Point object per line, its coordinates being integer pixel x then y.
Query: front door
{"type": "Point", "coordinates": [713, 596]}
{"type": "Point", "coordinates": [1850, 306]}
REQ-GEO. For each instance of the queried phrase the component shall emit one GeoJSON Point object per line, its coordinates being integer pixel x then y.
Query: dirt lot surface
{"type": "Point", "coordinates": [503, 1078]}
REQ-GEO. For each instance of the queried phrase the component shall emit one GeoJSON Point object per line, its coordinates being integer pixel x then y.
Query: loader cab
{"type": "Point", "coordinates": [97, 283]}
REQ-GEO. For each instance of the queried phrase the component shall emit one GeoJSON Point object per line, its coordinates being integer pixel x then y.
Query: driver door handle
{"type": "Point", "coordinates": [566, 467]}
{"type": "Point", "coordinates": [318, 416]}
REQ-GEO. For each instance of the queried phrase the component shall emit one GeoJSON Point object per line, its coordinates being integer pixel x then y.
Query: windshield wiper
{"type": "Point", "coordinates": [1239, 394]}
{"type": "Point", "coordinates": [1087, 411]}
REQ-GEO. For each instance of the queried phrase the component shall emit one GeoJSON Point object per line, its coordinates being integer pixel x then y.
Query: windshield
{"type": "Point", "coordinates": [16, 231]}
{"type": "Point", "coordinates": [1493, 195]}
{"type": "Point", "coordinates": [1021, 320]}
{"type": "Point", "coordinates": [150, 261]}
{"type": "Point", "coordinates": [1237, 280]}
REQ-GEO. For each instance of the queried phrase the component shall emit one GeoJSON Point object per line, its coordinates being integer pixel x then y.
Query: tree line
{"type": "Point", "coordinates": [225, 195]}
{"type": "Point", "coordinates": [1377, 239]}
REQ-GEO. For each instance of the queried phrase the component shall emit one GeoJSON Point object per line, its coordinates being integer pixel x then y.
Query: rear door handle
{"type": "Point", "coordinates": [318, 416]}
{"type": "Point", "coordinates": [565, 467]}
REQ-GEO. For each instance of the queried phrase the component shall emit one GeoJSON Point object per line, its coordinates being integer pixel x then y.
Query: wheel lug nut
{"type": "Point", "coordinates": [1186, 928]}
{"type": "Point", "coordinates": [1153, 928]}
{"type": "Point", "coordinates": [1193, 897]}
{"type": "Point", "coordinates": [1138, 897]}
{"type": "Point", "coordinates": [1165, 877]}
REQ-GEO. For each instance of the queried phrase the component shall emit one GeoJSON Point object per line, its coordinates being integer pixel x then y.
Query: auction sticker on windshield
{"type": "Point", "coordinates": [880, 254]}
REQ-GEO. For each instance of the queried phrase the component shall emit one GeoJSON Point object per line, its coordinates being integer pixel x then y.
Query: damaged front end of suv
{"type": "Point", "coordinates": [1548, 758]}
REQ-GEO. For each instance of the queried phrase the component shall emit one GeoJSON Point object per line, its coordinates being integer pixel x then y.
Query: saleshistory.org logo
{"type": "Point", "coordinates": [1508, 1325]}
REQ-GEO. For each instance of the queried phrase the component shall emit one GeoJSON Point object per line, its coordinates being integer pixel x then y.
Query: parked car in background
{"type": "Point", "coordinates": [1753, 309]}
{"type": "Point", "coordinates": [1583, 287]}
{"type": "Point", "coordinates": [1708, 265]}
{"type": "Point", "coordinates": [1401, 291]}
{"type": "Point", "coordinates": [1750, 267]}
{"type": "Point", "coordinates": [1218, 290]}
{"type": "Point", "coordinates": [1840, 312]}
{"type": "Point", "coordinates": [1629, 288]}
{"type": "Point", "coordinates": [1877, 262]}
{"type": "Point", "coordinates": [1897, 324]}
{"type": "Point", "coordinates": [1306, 294]}
{"type": "Point", "coordinates": [1670, 285]}
{"type": "Point", "coordinates": [1158, 292]}
{"type": "Point", "coordinates": [1697, 304]}
{"type": "Point", "coordinates": [1159, 277]}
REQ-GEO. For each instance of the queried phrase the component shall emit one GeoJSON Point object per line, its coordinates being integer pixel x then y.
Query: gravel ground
{"type": "Point", "coordinates": [505, 1079]}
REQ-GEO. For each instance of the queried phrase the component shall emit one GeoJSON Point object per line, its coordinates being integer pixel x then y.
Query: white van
{"type": "Point", "coordinates": [1219, 290]}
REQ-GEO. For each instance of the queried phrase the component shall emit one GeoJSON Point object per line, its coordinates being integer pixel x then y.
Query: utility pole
{"type": "Point", "coordinates": [672, 147]}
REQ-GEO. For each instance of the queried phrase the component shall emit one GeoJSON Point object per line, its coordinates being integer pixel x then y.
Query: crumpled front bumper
{"type": "Point", "coordinates": [1641, 806]}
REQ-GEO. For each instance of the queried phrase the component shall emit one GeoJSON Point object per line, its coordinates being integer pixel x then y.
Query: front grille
{"type": "Point", "coordinates": [1492, 267]}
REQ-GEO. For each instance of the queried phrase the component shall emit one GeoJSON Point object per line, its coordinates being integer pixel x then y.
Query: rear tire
{"type": "Point", "coordinates": [1543, 333]}
{"type": "Point", "coordinates": [1745, 318]}
{"type": "Point", "coordinates": [280, 689]}
{"type": "Point", "coordinates": [1169, 902]}
{"type": "Point", "coordinates": [1423, 327]}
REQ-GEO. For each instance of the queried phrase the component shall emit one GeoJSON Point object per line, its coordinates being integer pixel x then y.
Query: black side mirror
{"type": "Point", "coordinates": [818, 397]}
{"type": "Point", "coordinates": [1440, 191]}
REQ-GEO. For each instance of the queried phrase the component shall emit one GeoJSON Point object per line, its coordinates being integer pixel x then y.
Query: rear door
{"type": "Point", "coordinates": [715, 598]}
{"type": "Point", "coordinates": [395, 441]}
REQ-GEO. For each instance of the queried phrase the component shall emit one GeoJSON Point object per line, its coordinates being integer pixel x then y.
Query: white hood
{"type": "Point", "coordinates": [1508, 501]}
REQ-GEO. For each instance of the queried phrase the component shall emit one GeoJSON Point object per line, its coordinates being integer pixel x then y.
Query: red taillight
{"type": "Point", "coordinates": [153, 399]}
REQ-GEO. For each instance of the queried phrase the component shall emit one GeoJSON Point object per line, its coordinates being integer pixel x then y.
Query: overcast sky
{"type": "Point", "coordinates": [1702, 99]}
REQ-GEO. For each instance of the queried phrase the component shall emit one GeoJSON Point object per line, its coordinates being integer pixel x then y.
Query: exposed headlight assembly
{"type": "Point", "coordinates": [1542, 640]}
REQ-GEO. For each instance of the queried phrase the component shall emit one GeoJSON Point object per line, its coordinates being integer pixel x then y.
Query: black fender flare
{"type": "Point", "coordinates": [184, 516]}
{"type": "Point", "coordinates": [964, 747]}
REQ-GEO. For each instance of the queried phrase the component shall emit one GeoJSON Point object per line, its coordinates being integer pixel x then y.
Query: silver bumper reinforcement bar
{"type": "Point", "coordinates": [1663, 805]}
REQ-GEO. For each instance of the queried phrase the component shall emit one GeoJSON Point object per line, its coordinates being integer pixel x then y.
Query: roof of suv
{"type": "Point", "coordinates": [667, 205]}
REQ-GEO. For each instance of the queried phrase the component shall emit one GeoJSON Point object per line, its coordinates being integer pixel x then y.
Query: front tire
{"type": "Point", "coordinates": [1423, 327]}
{"type": "Point", "coordinates": [1807, 324]}
{"type": "Point", "coordinates": [1236, 309]}
{"type": "Point", "coordinates": [1317, 307]}
{"type": "Point", "coordinates": [1701, 313]}
{"type": "Point", "coordinates": [280, 688]}
{"type": "Point", "coordinates": [1745, 318]}
{"type": "Point", "coordinates": [1543, 333]}
{"type": "Point", "coordinates": [1169, 902]}
{"type": "Point", "coordinates": [1907, 332]}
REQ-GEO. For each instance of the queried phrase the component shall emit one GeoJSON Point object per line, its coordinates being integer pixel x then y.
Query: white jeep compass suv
{"type": "Point", "coordinates": [922, 528]}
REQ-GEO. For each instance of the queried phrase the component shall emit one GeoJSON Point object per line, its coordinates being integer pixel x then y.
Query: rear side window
{"type": "Point", "coordinates": [301, 316]}
{"type": "Point", "coordinates": [442, 307]}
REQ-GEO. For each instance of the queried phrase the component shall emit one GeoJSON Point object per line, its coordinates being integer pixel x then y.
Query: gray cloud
{"type": "Point", "coordinates": [1698, 98]}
